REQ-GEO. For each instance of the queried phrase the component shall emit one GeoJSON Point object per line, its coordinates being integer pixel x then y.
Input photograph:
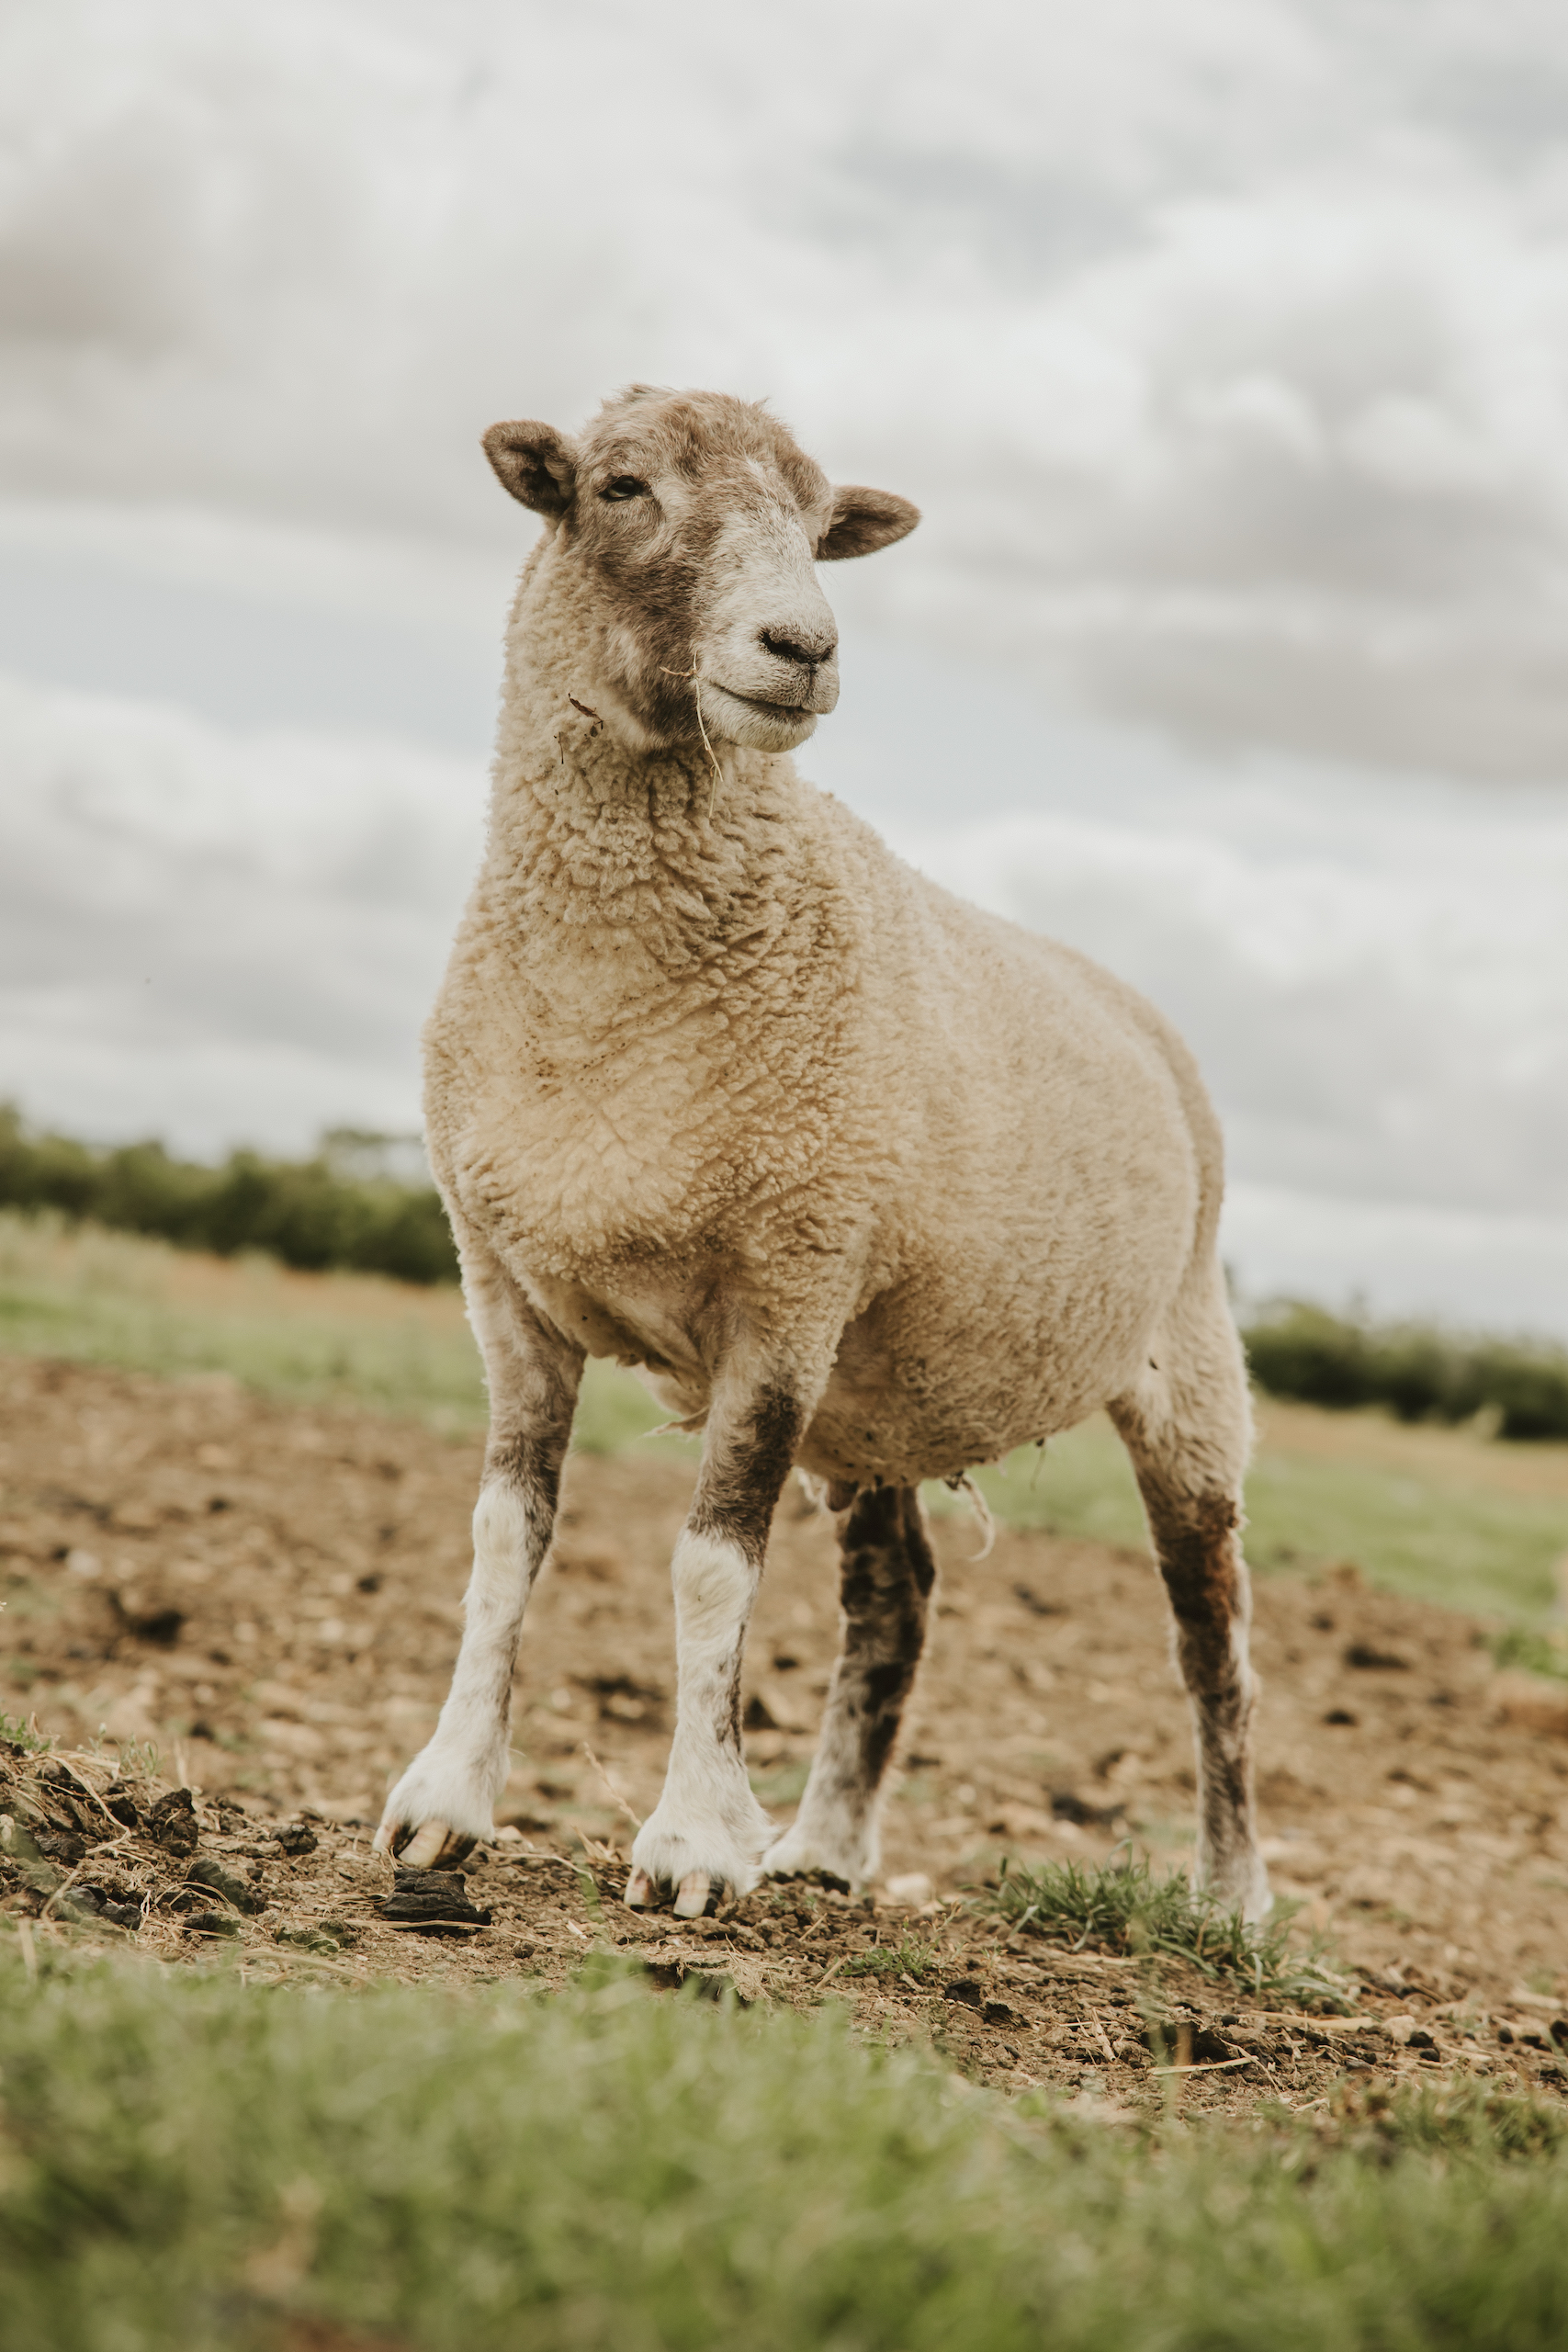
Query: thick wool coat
{"type": "Point", "coordinates": [710, 1065]}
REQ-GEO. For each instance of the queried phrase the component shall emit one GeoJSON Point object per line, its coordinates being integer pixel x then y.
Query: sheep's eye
{"type": "Point", "coordinates": [625, 486]}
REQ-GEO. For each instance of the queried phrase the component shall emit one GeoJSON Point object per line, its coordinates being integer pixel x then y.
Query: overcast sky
{"type": "Point", "coordinates": [1224, 344]}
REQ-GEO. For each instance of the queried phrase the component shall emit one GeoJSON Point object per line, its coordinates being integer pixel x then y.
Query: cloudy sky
{"type": "Point", "coordinates": [1224, 344]}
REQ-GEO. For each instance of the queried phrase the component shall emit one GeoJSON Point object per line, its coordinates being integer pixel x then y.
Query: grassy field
{"type": "Point", "coordinates": [1444, 1514]}
{"type": "Point", "coordinates": [188, 2163]}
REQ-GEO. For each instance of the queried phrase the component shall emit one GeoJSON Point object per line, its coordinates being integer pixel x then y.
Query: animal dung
{"type": "Point", "coordinates": [431, 1903]}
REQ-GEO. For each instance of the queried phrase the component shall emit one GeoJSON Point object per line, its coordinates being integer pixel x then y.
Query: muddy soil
{"type": "Point", "coordinates": [269, 1596]}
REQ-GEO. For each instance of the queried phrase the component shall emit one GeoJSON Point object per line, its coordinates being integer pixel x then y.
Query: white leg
{"type": "Point", "coordinates": [707, 1829]}
{"type": "Point", "coordinates": [444, 1802]}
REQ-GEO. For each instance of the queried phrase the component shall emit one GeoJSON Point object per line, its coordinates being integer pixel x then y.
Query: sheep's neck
{"type": "Point", "coordinates": [646, 865]}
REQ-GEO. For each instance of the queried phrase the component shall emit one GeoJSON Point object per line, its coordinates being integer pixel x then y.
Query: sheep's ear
{"type": "Point", "coordinates": [865, 520]}
{"type": "Point", "coordinates": [536, 463]}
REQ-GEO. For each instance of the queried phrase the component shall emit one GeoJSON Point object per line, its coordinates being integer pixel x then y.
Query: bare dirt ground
{"type": "Point", "coordinates": [270, 1596]}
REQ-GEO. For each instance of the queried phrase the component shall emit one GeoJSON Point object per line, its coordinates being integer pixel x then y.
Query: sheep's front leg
{"type": "Point", "coordinates": [887, 1575]}
{"type": "Point", "coordinates": [443, 1804]}
{"type": "Point", "coordinates": [707, 1829]}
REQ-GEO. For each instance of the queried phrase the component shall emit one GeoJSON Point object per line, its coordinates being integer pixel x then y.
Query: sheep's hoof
{"type": "Point", "coordinates": [798, 1855]}
{"type": "Point", "coordinates": [423, 1848]}
{"type": "Point", "coordinates": [692, 1895]}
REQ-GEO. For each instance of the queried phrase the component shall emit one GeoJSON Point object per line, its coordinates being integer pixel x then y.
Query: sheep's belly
{"type": "Point", "coordinates": [904, 1434]}
{"type": "Point", "coordinates": [928, 1385]}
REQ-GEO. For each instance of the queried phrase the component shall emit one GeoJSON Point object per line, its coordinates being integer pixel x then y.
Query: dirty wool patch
{"type": "Point", "coordinates": [268, 1596]}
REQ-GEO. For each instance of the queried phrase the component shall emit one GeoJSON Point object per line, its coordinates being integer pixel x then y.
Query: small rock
{"type": "Point", "coordinates": [296, 1838]}
{"type": "Point", "coordinates": [213, 1875]}
{"type": "Point", "coordinates": [1369, 1658]}
{"type": "Point", "coordinates": [62, 1846]}
{"type": "Point", "coordinates": [309, 1939]}
{"type": "Point", "coordinates": [172, 1822]}
{"type": "Point", "coordinates": [913, 1887]}
{"type": "Point", "coordinates": [212, 1923]}
{"type": "Point", "coordinates": [1400, 2031]}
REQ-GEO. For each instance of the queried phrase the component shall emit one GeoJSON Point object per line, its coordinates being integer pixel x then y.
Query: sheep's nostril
{"type": "Point", "coordinates": [794, 649]}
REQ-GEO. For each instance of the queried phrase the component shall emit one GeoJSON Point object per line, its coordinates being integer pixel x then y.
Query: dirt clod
{"type": "Point", "coordinates": [172, 1822]}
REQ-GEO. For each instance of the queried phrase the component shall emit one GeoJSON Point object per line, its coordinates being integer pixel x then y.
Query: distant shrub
{"type": "Point", "coordinates": [335, 1210]}
{"type": "Point", "coordinates": [1536, 1652]}
{"type": "Point", "coordinates": [1420, 1373]}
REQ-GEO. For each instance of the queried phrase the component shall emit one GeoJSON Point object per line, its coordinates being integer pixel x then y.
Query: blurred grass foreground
{"type": "Point", "coordinates": [191, 2161]}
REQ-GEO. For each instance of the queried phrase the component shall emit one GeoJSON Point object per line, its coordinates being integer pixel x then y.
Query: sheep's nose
{"type": "Point", "coordinates": [806, 646]}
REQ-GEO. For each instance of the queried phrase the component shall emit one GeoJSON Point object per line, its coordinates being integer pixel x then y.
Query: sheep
{"type": "Point", "coordinates": [860, 1178]}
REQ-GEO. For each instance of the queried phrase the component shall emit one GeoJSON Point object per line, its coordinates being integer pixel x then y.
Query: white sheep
{"type": "Point", "coordinates": [860, 1178]}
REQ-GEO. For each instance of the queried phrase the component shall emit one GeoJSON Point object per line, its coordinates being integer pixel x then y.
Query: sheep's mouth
{"type": "Point", "coordinates": [802, 708]}
{"type": "Point", "coordinates": [759, 720]}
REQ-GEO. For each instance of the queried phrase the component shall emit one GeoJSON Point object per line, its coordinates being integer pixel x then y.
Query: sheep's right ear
{"type": "Point", "coordinates": [865, 520]}
{"type": "Point", "coordinates": [536, 463]}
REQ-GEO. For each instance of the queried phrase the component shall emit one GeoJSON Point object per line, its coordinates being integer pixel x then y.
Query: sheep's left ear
{"type": "Point", "coordinates": [865, 520]}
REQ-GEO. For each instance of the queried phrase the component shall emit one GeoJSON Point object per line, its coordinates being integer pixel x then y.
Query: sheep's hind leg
{"type": "Point", "coordinates": [707, 1829]}
{"type": "Point", "coordinates": [887, 1575]}
{"type": "Point", "coordinates": [1186, 1427]}
{"type": "Point", "coordinates": [444, 1803]}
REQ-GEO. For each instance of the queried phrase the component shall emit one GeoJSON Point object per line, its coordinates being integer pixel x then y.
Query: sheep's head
{"type": "Point", "coordinates": [690, 522]}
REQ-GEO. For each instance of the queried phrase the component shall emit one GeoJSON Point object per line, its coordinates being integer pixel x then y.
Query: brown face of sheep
{"type": "Point", "coordinates": [693, 523]}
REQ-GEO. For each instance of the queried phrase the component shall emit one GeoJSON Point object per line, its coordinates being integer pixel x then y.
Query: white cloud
{"type": "Point", "coordinates": [1226, 343]}
{"type": "Point", "coordinates": [216, 938]}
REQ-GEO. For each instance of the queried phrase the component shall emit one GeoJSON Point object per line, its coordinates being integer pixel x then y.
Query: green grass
{"type": "Point", "coordinates": [182, 2158]}
{"type": "Point", "coordinates": [120, 1299]}
{"type": "Point", "coordinates": [117, 1298]}
{"type": "Point", "coordinates": [15, 1733]}
{"type": "Point", "coordinates": [114, 1298]}
{"type": "Point", "coordinates": [910, 1957]}
{"type": "Point", "coordinates": [1464, 1544]}
{"type": "Point", "coordinates": [1536, 1652]}
{"type": "Point", "coordinates": [1124, 1908]}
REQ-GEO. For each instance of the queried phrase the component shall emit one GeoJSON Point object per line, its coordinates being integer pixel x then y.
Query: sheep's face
{"type": "Point", "coordinates": [689, 524]}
